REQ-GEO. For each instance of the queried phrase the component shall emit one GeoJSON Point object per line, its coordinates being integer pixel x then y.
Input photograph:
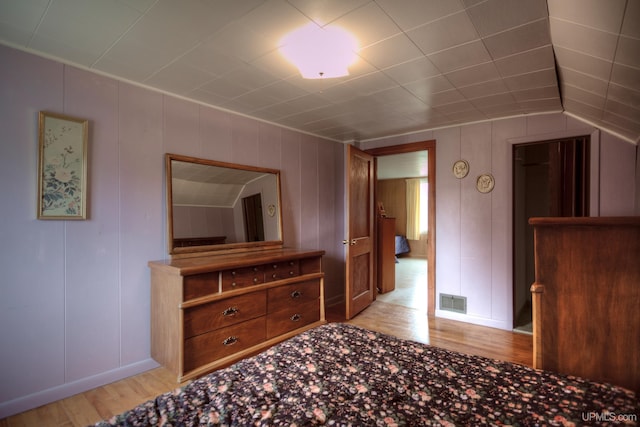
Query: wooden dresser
{"type": "Point", "coordinates": [586, 298]}
{"type": "Point", "coordinates": [210, 311]}
{"type": "Point", "coordinates": [386, 254]}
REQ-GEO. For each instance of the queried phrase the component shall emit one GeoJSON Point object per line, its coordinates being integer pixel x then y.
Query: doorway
{"type": "Point", "coordinates": [550, 179]}
{"type": "Point", "coordinates": [429, 250]}
{"type": "Point", "coordinates": [253, 221]}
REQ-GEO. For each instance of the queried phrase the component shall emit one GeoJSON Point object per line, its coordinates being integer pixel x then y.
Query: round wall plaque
{"type": "Point", "coordinates": [460, 169]}
{"type": "Point", "coordinates": [485, 183]}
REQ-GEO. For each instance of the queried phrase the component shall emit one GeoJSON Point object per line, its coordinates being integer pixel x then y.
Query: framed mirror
{"type": "Point", "coordinates": [218, 206]}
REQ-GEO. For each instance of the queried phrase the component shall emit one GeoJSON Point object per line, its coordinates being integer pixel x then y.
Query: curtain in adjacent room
{"type": "Point", "coordinates": [413, 209]}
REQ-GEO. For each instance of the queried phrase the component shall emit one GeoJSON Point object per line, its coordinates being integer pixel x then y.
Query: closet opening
{"type": "Point", "coordinates": [550, 179]}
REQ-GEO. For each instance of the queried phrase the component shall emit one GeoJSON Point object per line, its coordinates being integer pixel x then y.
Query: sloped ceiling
{"type": "Point", "coordinates": [194, 184]}
{"type": "Point", "coordinates": [423, 64]}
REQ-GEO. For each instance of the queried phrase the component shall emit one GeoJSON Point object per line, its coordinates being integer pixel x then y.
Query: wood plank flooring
{"type": "Point", "coordinates": [409, 323]}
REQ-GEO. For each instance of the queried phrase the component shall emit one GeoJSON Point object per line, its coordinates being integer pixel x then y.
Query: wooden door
{"type": "Point", "coordinates": [360, 178]}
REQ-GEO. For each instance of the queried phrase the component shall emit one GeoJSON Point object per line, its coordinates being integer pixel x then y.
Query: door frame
{"type": "Point", "coordinates": [430, 147]}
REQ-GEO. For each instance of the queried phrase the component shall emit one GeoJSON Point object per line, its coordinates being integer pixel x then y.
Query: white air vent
{"type": "Point", "coordinates": [454, 303]}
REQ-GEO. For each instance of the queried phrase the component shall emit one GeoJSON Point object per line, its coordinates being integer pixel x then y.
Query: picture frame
{"type": "Point", "coordinates": [62, 166]}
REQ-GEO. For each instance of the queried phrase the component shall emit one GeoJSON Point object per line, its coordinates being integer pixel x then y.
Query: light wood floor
{"type": "Point", "coordinates": [409, 323]}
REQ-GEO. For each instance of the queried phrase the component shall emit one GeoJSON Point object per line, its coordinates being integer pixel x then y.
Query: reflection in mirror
{"type": "Point", "coordinates": [217, 206]}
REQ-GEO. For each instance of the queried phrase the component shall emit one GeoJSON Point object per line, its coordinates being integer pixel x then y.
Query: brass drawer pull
{"type": "Point", "coordinates": [296, 294]}
{"type": "Point", "coordinates": [296, 317]}
{"type": "Point", "coordinates": [231, 311]}
{"type": "Point", "coordinates": [230, 341]}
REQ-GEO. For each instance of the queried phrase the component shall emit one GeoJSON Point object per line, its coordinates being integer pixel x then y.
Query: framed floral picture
{"type": "Point", "coordinates": [62, 167]}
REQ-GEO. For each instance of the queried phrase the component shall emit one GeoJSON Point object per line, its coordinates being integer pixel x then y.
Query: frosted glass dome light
{"type": "Point", "coordinates": [320, 52]}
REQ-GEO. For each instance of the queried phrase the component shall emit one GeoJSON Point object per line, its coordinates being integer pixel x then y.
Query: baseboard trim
{"type": "Point", "coordinates": [482, 321]}
{"type": "Point", "coordinates": [62, 391]}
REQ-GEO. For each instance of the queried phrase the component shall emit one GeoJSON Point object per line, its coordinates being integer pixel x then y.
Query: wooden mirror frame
{"type": "Point", "coordinates": [205, 249]}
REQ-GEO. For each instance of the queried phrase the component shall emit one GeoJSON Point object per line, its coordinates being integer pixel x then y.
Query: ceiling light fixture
{"type": "Point", "coordinates": [320, 52]}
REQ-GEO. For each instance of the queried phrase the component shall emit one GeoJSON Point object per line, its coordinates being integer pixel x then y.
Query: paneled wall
{"type": "Point", "coordinates": [74, 305]}
{"type": "Point", "coordinates": [474, 230]}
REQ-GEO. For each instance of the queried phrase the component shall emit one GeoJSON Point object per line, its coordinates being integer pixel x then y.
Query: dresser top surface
{"type": "Point", "coordinates": [194, 265]}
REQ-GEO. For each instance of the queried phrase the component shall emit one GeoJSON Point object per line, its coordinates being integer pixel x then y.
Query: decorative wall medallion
{"type": "Point", "coordinates": [460, 169]}
{"type": "Point", "coordinates": [485, 183]}
{"type": "Point", "coordinates": [271, 210]}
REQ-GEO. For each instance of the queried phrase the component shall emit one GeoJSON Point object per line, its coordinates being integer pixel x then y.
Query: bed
{"type": "Point", "coordinates": [344, 375]}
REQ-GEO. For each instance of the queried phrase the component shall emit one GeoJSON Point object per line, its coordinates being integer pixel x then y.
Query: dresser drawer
{"type": "Point", "coordinates": [292, 295]}
{"type": "Point", "coordinates": [199, 285]}
{"type": "Point", "coordinates": [242, 277]}
{"type": "Point", "coordinates": [206, 348]}
{"type": "Point", "coordinates": [281, 270]}
{"type": "Point", "coordinates": [219, 314]}
{"type": "Point", "coordinates": [291, 318]}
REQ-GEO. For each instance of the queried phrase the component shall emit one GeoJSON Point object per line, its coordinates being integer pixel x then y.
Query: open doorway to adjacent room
{"type": "Point", "coordinates": [403, 192]}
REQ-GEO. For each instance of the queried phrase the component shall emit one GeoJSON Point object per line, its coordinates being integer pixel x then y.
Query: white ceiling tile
{"type": "Point", "coordinates": [18, 20]}
{"type": "Point", "coordinates": [462, 56]}
{"type": "Point", "coordinates": [527, 61]}
{"type": "Point", "coordinates": [179, 78]}
{"type": "Point", "coordinates": [394, 50]}
{"type": "Point", "coordinates": [621, 122]}
{"type": "Point", "coordinates": [548, 92]}
{"type": "Point", "coordinates": [424, 88]}
{"type": "Point", "coordinates": [455, 107]}
{"type": "Point", "coordinates": [585, 81]}
{"type": "Point", "coordinates": [444, 33]}
{"type": "Point", "coordinates": [492, 100]}
{"type": "Point", "coordinates": [133, 61]}
{"type": "Point", "coordinates": [582, 62]}
{"type": "Point", "coordinates": [473, 75]}
{"type": "Point", "coordinates": [532, 80]}
{"type": "Point", "coordinates": [484, 89]}
{"type": "Point", "coordinates": [519, 39]}
{"type": "Point", "coordinates": [623, 110]}
{"type": "Point", "coordinates": [236, 40]}
{"type": "Point", "coordinates": [582, 96]}
{"type": "Point", "coordinates": [225, 88]}
{"type": "Point", "coordinates": [502, 110]}
{"type": "Point", "coordinates": [410, 71]}
{"type": "Point", "coordinates": [369, 24]}
{"type": "Point", "coordinates": [206, 57]}
{"type": "Point", "coordinates": [598, 14]}
{"type": "Point", "coordinates": [494, 16]}
{"type": "Point", "coordinates": [229, 47]}
{"type": "Point", "coordinates": [624, 95]}
{"type": "Point", "coordinates": [468, 116]}
{"type": "Point", "coordinates": [446, 97]}
{"type": "Point", "coordinates": [583, 39]}
{"type": "Point", "coordinates": [275, 64]}
{"type": "Point", "coordinates": [412, 13]}
{"type": "Point", "coordinates": [255, 100]}
{"type": "Point", "coordinates": [630, 27]}
{"type": "Point", "coordinates": [325, 11]}
{"type": "Point", "coordinates": [625, 76]}
{"type": "Point", "coordinates": [207, 97]}
{"type": "Point", "coordinates": [250, 77]}
{"type": "Point", "coordinates": [273, 20]}
{"type": "Point", "coordinates": [628, 52]}
{"type": "Point", "coordinates": [371, 83]}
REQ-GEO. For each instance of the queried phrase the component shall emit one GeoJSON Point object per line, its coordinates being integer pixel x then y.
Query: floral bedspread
{"type": "Point", "coordinates": [343, 375]}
